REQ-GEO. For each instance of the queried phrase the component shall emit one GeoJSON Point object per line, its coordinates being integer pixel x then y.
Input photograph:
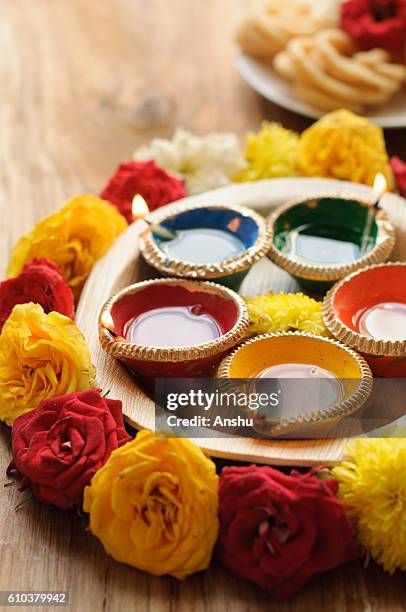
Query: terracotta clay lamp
{"type": "Point", "coordinates": [172, 328]}
{"type": "Point", "coordinates": [217, 242]}
{"type": "Point", "coordinates": [367, 311]}
{"type": "Point", "coordinates": [321, 240]}
{"type": "Point", "coordinates": [326, 380]}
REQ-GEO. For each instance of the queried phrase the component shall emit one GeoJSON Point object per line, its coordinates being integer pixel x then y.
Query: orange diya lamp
{"type": "Point", "coordinates": [172, 328]}
{"type": "Point", "coordinates": [367, 311]}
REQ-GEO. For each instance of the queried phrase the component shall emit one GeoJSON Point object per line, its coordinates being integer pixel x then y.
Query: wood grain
{"type": "Point", "coordinates": [83, 83]}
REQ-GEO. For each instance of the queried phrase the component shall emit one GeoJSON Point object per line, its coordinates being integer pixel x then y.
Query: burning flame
{"type": "Point", "coordinates": [380, 186]}
{"type": "Point", "coordinates": [139, 207]}
{"type": "Point", "coordinates": [107, 320]}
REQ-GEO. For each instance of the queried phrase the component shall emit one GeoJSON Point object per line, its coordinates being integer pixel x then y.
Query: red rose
{"type": "Point", "coordinates": [399, 170]}
{"type": "Point", "coordinates": [59, 446]}
{"type": "Point", "coordinates": [375, 23]}
{"type": "Point", "coordinates": [41, 282]}
{"type": "Point", "coordinates": [156, 186]}
{"type": "Point", "coordinates": [278, 530]}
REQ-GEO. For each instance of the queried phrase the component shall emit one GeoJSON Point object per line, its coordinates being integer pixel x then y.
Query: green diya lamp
{"type": "Point", "coordinates": [320, 240]}
{"type": "Point", "coordinates": [217, 242]}
{"type": "Point", "coordinates": [320, 380]}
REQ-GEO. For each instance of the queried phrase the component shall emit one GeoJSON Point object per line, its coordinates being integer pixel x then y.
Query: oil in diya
{"type": "Point", "coordinates": [384, 321]}
{"type": "Point", "coordinates": [203, 245]}
{"type": "Point", "coordinates": [322, 245]}
{"type": "Point", "coordinates": [323, 386]}
{"type": "Point", "coordinates": [296, 370]}
{"type": "Point", "coordinates": [173, 326]}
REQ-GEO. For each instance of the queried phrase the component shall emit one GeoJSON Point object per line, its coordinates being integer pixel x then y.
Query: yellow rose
{"type": "Point", "coordinates": [344, 146]}
{"type": "Point", "coordinates": [74, 237]}
{"type": "Point", "coordinates": [153, 505]}
{"type": "Point", "coordinates": [41, 356]}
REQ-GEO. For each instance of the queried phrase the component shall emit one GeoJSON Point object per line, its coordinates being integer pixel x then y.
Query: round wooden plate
{"type": "Point", "coordinates": [123, 266]}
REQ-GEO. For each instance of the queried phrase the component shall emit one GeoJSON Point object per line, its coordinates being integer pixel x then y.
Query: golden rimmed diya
{"type": "Point", "coordinates": [367, 311]}
{"type": "Point", "coordinates": [172, 328]}
{"type": "Point", "coordinates": [328, 380]}
{"type": "Point", "coordinates": [216, 242]}
{"type": "Point", "coordinates": [320, 240]}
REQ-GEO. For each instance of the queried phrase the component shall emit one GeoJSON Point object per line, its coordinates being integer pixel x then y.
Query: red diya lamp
{"type": "Point", "coordinates": [367, 311]}
{"type": "Point", "coordinates": [172, 328]}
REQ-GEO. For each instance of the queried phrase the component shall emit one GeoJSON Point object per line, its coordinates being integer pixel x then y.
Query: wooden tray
{"type": "Point", "coordinates": [123, 266]}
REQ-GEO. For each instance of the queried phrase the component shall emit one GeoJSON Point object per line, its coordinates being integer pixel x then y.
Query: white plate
{"type": "Point", "coordinates": [276, 89]}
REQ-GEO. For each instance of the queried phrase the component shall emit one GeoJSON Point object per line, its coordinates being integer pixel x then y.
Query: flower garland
{"type": "Point", "coordinates": [155, 503]}
{"type": "Point", "coordinates": [341, 145]}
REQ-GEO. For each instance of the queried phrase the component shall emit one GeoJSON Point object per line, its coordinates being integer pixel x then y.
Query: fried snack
{"type": "Point", "coordinates": [273, 23]}
{"type": "Point", "coordinates": [328, 72]}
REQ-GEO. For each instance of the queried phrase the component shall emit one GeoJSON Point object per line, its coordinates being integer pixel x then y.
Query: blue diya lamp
{"type": "Point", "coordinates": [322, 239]}
{"type": "Point", "coordinates": [217, 242]}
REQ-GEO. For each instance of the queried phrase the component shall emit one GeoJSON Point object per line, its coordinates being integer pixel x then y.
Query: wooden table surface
{"type": "Point", "coordinates": [82, 84]}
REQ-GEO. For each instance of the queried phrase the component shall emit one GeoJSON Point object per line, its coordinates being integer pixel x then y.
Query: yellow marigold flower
{"type": "Point", "coordinates": [73, 237]}
{"type": "Point", "coordinates": [372, 487]}
{"type": "Point", "coordinates": [270, 153]}
{"type": "Point", "coordinates": [285, 312]}
{"type": "Point", "coordinates": [344, 146]}
{"type": "Point", "coordinates": [153, 505]}
{"type": "Point", "coordinates": [41, 356]}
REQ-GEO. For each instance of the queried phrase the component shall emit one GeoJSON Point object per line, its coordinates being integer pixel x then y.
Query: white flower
{"type": "Point", "coordinates": [205, 162]}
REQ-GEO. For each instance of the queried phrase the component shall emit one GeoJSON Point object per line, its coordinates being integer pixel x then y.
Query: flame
{"type": "Point", "coordinates": [380, 186]}
{"type": "Point", "coordinates": [139, 207]}
{"type": "Point", "coordinates": [107, 320]}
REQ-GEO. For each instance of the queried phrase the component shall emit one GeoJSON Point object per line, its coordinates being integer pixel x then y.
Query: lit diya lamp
{"type": "Point", "coordinates": [140, 211]}
{"type": "Point", "coordinates": [168, 328]}
{"type": "Point", "coordinates": [318, 380]}
{"type": "Point", "coordinates": [322, 239]}
{"type": "Point", "coordinates": [216, 242]}
{"type": "Point", "coordinates": [367, 311]}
